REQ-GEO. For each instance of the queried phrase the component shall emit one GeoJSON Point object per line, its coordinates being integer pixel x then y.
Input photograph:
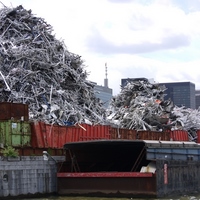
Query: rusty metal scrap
{"type": "Point", "coordinates": [38, 70]}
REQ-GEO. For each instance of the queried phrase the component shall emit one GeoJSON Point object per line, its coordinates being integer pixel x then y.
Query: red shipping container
{"type": "Point", "coordinates": [120, 133]}
{"type": "Point", "coordinates": [96, 132]}
{"type": "Point", "coordinates": [153, 135]}
{"type": "Point", "coordinates": [198, 136]}
{"type": "Point", "coordinates": [37, 138]}
{"type": "Point", "coordinates": [179, 135]}
{"type": "Point", "coordinates": [15, 111]}
{"type": "Point", "coordinates": [55, 136]}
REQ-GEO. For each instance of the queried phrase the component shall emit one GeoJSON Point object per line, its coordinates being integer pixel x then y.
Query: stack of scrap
{"type": "Point", "coordinates": [140, 105]}
{"type": "Point", "coordinates": [186, 119]}
{"type": "Point", "coordinates": [38, 70]}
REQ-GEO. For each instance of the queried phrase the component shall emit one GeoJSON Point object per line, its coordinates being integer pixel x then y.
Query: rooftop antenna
{"type": "Point", "coordinates": [106, 79]}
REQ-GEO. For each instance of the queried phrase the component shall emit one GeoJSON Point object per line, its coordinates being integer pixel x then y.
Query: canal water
{"type": "Point", "coordinates": [99, 198]}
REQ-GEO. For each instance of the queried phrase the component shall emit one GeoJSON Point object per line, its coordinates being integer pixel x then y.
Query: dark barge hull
{"type": "Point", "coordinates": [112, 168]}
{"type": "Point", "coordinates": [126, 184]}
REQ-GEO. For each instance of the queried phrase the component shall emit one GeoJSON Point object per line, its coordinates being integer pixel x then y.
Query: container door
{"type": "Point", "coordinates": [20, 133]}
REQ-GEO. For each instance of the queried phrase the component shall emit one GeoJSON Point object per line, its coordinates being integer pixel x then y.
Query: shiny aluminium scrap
{"type": "Point", "coordinates": [38, 70]}
{"type": "Point", "coordinates": [141, 106]}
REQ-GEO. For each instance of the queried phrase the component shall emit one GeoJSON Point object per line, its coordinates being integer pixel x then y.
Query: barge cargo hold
{"type": "Point", "coordinates": [130, 168]}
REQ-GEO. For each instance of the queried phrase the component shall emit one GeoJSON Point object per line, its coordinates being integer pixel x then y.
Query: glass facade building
{"type": "Point", "coordinates": [181, 93]}
{"type": "Point", "coordinates": [197, 98]}
{"type": "Point", "coordinates": [103, 93]}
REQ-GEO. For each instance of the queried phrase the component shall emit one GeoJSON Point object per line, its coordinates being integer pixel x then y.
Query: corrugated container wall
{"type": "Point", "coordinates": [120, 133]}
{"type": "Point", "coordinates": [179, 135]}
{"type": "Point", "coordinates": [153, 135]}
{"type": "Point", "coordinates": [198, 136]}
{"type": "Point", "coordinates": [54, 136]}
{"type": "Point", "coordinates": [15, 133]}
{"type": "Point", "coordinates": [14, 111]}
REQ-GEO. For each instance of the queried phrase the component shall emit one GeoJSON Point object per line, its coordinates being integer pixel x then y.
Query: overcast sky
{"type": "Point", "coordinates": [155, 39]}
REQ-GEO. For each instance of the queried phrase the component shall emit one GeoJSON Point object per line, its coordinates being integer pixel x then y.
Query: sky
{"type": "Point", "coordinates": [154, 39]}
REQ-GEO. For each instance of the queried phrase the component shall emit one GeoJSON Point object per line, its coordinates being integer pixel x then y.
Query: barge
{"type": "Point", "coordinates": [130, 168]}
{"type": "Point", "coordinates": [102, 160]}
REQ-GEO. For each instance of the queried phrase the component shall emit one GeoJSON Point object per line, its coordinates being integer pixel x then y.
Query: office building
{"type": "Point", "coordinates": [197, 98]}
{"type": "Point", "coordinates": [104, 92]}
{"type": "Point", "coordinates": [181, 93]}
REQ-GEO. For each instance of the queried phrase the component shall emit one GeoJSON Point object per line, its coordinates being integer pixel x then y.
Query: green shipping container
{"type": "Point", "coordinates": [15, 133]}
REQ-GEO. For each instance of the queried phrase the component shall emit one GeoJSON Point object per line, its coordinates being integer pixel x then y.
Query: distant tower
{"type": "Point", "coordinates": [106, 79]}
{"type": "Point", "coordinates": [104, 93]}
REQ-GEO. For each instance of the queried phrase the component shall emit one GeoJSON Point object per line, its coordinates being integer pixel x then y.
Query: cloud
{"type": "Point", "coordinates": [187, 5]}
{"type": "Point", "coordinates": [140, 28]}
{"type": "Point", "coordinates": [119, 1]}
{"type": "Point", "coordinates": [98, 44]}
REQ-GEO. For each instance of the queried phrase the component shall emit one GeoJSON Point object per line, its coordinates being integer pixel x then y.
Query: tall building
{"type": "Point", "coordinates": [197, 98]}
{"type": "Point", "coordinates": [181, 93]}
{"type": "Point", "coordinates": [104, 92]}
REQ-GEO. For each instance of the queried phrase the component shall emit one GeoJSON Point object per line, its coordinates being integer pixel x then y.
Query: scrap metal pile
{"type": "Point", "coordinates": [38, 70]}
{"type": "Point", "coordinates": [141, 106]}
{"type": "Point", "coordinates": [187, 119]}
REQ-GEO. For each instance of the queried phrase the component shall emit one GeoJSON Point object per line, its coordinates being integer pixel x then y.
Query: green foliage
{"type": "Point", "coordinates": [10, 152]}
{"type": "Point", "coordinates": [49, 151]}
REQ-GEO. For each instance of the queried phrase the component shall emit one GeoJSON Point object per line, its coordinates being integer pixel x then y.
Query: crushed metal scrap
{"type": "Point", "coordinates": [38, 70]}
{"type": "Point", "coordinates": [141, 106]}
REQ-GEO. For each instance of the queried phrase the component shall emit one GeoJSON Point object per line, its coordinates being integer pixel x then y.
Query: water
{"type": "Point", "coordinates": [103, 198]}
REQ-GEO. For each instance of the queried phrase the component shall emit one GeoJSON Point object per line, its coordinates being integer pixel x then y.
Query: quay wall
{"type": "Point", "coordinates": [175, 178]}
{"type": "Point", "coordinates": [27, 176]}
